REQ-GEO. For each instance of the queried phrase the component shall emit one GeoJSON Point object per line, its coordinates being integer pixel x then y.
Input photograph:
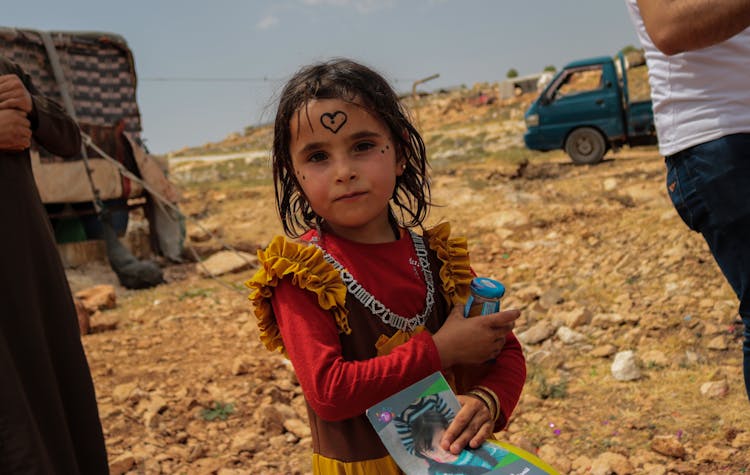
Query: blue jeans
{"type": "Point", "coordinates": [709, 185]}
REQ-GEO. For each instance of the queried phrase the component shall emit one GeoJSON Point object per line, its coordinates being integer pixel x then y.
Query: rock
{"type": "Point", "coordinates": [99, 297]}
{"type": "Point", "coordinates": [741, 441]}
{"type": "Point", "coordinates": [626, 366]}
{"type": "Point", "coordinates": [581, 464]}
{"type": "Point", "coordinates": [551, 298]}
{"type": "Point", "coordinates": [610, 463]}
{"type": "Point", "coordinates": [124, 392]}
{"type": "Point", "coordinates": [715, 389]}
{"type": "Point", "coordinates": [505, 219]}
{"type": "Point", "coordinates": [568, 336]}
{"type": "Point", "coordinates": [245, 441]}
{"type": "Point", "coordinates": [718, 343]}
{"type": "Point", "coordinates": [604, 351]}
{"type": "Point", "coordinates": [122, 464]}
{"type": "Point", "coordinates": [537, 333]}
{"type": "Point", "coordinates": [527, 293]}
{"type": "Point", "coordinates": [607, 320]}
{"type": "Point", "coordinates": [575, 318]}
{"type": "Point", "coordinates": [227, 261]}
{"type": "Point", "coordinates": [297, 427]}
{"type": "Point", "coordinates": [668, 445]}
{"type": "Point", "coordinates": [271, 420]}
{"type": "Point", "coordinates": [609, 184]}
{"type": "Point", "coordinates": [711, 453]}
{"type": "Point", "coordinates": [240, 366]}
{"type": "Point", "coordinates": [103, 322]}
{"type": "Point", "coordinates": [654, 358]}
{"type": "Point", "coordinates": [555, 457]}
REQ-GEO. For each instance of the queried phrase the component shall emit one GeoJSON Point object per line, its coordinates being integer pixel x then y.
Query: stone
{"type": "Point", "coordinates": [576, 317]}
{"type": "Point", "coordinates": [224, 262]}
{"type": "Point", "coordinates": [99, 297]}
{"type": "Point", "coordinates": [555, 457]}
{"type": "Point", "coordinates": [715, 389]}
{"type": "Point", "coordinates": [569, 336]}
{"type": "Point", "coordinates": [741, 441]}
{"type": "Point", "coordinates": [297, 427]}
{"type": "Point", "coordinates": [607, 320]}
{"type": "Point", "coordinates": [240, 366]}
{"type": "Point", "coordinates": [537, 333]}
{"type": "Point", "coordinates": [610, 463]}
{"type": "Point", "coordinates": [718, 343]}
{"type": "Point", "coordinates": [122, 464]}
{"type": "Point", "coordinates": [712, 453]}
{"type": "Point", "coordinates": [626, 366]}
{"type": "Point", "coordinates": [668, 445]}
{"type": "Point", "coordinates": [654, 358]}
{"type": "Point", "coordinates": [604, 351]}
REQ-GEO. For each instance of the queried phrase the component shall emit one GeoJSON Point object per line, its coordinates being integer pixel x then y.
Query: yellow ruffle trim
{"type": "Point", "coordinates": [455, 273]}
{"type": "Point", "coordinates": [310, 271]}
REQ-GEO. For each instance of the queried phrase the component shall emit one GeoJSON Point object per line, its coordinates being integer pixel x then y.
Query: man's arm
{"type": "Point", "coordinates": [676, 26]}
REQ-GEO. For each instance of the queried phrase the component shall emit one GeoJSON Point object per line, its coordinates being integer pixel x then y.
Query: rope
{"type": "Point", "coordinates": [54, 61]}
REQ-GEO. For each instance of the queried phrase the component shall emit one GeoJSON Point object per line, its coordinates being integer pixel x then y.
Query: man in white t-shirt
{"type": "Point", "coordinates": [698, 56]}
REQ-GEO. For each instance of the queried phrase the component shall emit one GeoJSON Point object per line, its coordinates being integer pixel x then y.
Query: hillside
{"type": "Point", "coordinates": [594, 256]}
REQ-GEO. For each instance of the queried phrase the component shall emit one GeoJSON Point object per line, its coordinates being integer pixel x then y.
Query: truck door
{"type": "Point", "coordinates": [585, 96]}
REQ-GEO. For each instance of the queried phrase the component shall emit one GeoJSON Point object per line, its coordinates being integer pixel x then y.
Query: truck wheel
{"type": "Point", "coordinates": [585, 146]}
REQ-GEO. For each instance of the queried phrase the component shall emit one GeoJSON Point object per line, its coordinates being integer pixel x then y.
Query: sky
{"type": "Point", "coordinates": [209, 68]}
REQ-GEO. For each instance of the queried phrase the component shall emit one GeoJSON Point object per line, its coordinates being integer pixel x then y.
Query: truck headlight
{"type": "Point", "coordinates": [532, 120]}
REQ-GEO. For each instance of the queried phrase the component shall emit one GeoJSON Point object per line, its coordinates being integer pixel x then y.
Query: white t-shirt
{"type": "Point", "coordinates": [698, 95]}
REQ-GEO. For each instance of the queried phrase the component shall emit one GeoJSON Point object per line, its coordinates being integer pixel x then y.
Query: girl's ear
{"type": "Point", "coordinates": [400, 166]}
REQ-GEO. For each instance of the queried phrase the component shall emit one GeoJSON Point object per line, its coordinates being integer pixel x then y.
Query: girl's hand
{"type": "Point", "coordinates": [473, 340]}
{"type": "Point", "coordinates": [471, 426]}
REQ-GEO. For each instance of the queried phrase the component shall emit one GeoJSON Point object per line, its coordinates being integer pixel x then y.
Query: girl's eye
{"type": "Point", "coordinates": [363, 146]}
{"type": "Point", "coordinates": [317, 157]}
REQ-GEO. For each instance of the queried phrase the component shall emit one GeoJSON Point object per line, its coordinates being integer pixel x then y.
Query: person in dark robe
{"type": "Point", "coordinates": [49, 421]}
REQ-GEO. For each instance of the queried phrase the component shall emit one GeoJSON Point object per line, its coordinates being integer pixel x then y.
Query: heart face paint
{"type": "Point", "coordinates": [333, 122]}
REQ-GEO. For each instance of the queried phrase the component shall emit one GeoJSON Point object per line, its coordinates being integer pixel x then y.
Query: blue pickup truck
{"type": "Point", "coordinates": [586, 110]}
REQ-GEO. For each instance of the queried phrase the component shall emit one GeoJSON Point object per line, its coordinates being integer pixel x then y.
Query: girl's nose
{"type": "Point", "coordinates": [345, 171]}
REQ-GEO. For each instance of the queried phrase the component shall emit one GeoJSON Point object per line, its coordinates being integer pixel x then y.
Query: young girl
{"type": "Point", "coordinates": [362, 305]}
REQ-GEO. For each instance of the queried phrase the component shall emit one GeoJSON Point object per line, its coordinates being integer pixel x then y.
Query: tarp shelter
{"type": "Point", "coordinates": [92, 74]}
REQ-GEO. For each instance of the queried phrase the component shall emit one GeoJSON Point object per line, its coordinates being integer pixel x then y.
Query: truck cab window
{"type": "Point", "coordinates": [578, 81]}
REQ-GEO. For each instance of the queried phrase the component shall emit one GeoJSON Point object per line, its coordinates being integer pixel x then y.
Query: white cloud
{"type": "Point", "coordinates": [267, 22]}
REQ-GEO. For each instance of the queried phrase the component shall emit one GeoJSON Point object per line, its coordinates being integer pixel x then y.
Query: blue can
{"type": "Point", "coordinates": [485, 297]}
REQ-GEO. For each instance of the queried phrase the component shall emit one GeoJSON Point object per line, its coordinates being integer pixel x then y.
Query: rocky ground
{"type": "Point", "coordinates": [629, 329]}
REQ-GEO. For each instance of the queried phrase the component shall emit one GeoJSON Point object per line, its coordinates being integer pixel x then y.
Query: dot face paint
{"type": "Point", "coordinates": [334, 121]}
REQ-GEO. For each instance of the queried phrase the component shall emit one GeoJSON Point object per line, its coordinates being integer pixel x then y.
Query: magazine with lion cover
{"type": "Point", "coordinates": [411, 423]}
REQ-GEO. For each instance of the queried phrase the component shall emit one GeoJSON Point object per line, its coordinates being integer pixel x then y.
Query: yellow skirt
{"type": "Point", "coordinates": [383, 466]}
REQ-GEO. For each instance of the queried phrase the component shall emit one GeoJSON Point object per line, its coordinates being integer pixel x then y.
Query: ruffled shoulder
{"type": "Point", "coordinates": [309, 271]}
{"type": "Point", "coordinates": [455, 272]}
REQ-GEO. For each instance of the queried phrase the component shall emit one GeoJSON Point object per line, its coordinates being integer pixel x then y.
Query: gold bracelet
{"type": "Point", "coordinates": [495, 399]}
{"type": "Point", "coordinates": [487, 400]}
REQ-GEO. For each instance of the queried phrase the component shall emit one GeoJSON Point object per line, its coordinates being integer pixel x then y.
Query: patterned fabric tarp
{"type": "Point", "coordinates": [98, 68]}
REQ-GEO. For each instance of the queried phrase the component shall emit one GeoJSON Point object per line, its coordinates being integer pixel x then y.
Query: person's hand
{"type": "Point", "coordinates": [13, 94]}
{"type": "Point", "coordinates": [15, 130]}
{"type": "Point", "coordinates": [473, 340]}
{"type": "Point", "coordinates": [472, 425]}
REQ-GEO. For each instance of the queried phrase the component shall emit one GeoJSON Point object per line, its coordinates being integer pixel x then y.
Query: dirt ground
{"type": "Point", "coordinates": [594, 256]}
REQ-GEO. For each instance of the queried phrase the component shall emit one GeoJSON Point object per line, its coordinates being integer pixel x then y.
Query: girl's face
{"type": "Point", "coordinates": [345, 162]}
{"type": "Point", "coordinates": [436, 452]}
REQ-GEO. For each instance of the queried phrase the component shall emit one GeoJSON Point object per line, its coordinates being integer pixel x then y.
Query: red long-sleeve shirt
{"type": "Point", "coordinates": [338, 389]}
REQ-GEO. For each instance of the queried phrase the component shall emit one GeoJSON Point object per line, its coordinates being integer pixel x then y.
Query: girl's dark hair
{"type": "Point", "coordinates": [423, 428]}
{"type": "Point", "coordinates": [353, 82]}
